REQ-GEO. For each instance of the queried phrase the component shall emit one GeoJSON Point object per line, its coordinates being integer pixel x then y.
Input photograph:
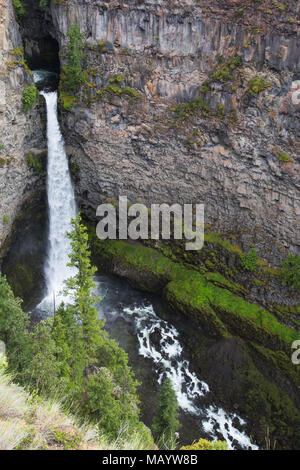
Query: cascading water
{"type": "Point", "coordinates": [160, 342]}
{"type": "Point", "coordinates": [61, 205]}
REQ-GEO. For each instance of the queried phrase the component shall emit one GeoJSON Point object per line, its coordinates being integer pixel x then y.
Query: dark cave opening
{"type": "Point", "coordinates": [41, 47]}
{"type": "Point", "coordinates": [42, 53]}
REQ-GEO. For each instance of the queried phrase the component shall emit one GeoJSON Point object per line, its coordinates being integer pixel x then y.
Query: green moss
{"type": "Point", "coordinates": [115, 89]}
{"type": "Point", "coordinates": [266, 402]}
{"type": "Point", "coordinates": [5, 219]}
{"type": "Point", "coordinates": [218, 280]}
{"type": "Point", "coordinates": [279, 361]}
{"type": "Point", "coordinates": [283, 157]}
{"type": "Point", "coordinates": [193, 294]}
{"type": "Point", "coordinates": [22, 279]}
{"type": "Point", "coordinates": [215, 238]}
{"type": "Point", "coordinates": [67, 100]}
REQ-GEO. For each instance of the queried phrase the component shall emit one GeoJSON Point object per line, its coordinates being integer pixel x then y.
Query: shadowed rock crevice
{"type": "Point", "coordinates": [41, 48]}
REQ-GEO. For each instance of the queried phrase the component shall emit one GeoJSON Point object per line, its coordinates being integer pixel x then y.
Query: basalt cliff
{"type": "Point", "coordinates": [237, 151]}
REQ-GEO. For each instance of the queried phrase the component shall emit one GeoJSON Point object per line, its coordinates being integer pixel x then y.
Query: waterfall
{"type": "Point", "coordinates": [61, 207]}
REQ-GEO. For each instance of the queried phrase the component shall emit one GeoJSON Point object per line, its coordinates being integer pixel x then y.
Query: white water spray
{"type": "Point", "coordinates": [168, 362]}
{"type": "Point", "coordinates": [61, 206]}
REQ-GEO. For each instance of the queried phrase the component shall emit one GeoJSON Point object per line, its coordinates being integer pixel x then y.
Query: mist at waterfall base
{"type": "Point", "coordinates": [154, 345]}
{"type": "Point", "coordinates": [61, 208]}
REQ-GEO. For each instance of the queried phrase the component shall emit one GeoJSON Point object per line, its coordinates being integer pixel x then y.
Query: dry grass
{"type": "Point", "coordinates": [30, 423]}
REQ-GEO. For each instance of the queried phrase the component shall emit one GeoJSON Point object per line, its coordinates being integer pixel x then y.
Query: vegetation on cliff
{"type": "Point", "coordinates": [216, 308]}
{"type": "Point", "coordinates": [291, 271]}
{"type": "Point", "coordinates": [30, 96]}
{"type": "Point", "coordinates": [71, 354]}
{"type": "Point", "coordinates": [72, 73]}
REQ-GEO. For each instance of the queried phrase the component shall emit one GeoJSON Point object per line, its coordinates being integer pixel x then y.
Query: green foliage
{"type": "Point", "coordinates": [223, 73]}
{"type": "Point", "coordinates": [5, 219]}
{"type": "Point", "coordinates": [70, 441]}
{"type": "Point", "coordinates": [240, 12]}
{"type": "Point", "coordinates": [74, 72]}
{"type": "Point", "coordinates": [108, 403]}
{"type": "Point", "coordinates": [117, 79]}
{"type": "Point", "coordinates": [66, 100]}
{"type": "Point", "coordinates": [71, 354]}
{"type": "Point", "coordinates": [83, 345]}
{"type": "Point", "coordinates": [13, 328]}
{"type": "Point", "coordinates": [30, 95]}
{"type": "Point", "coordinates": [44, 4]}
{"type": "Point", "coordinates": [189, 292]}
{"type": "Point", "coordinates": [184, 110]}
{"type": "Point", "coordinates": [284, 157]}
{"type": "Point", "coordinates": [220, 110]}
{"type": "Point", "coordinates": [203, 444]}
{"type": "Point", "coordinates": [35, 162]}
{"type": "Point", "coordinates": [101, 46]}
{"type": "Point", "coordinates": [43, 371]}
{"type": "Point", "coordinates": [165, 422]}
{"type": "Point", "coordinates": [256, 85]}
{"type": "Point", "coordinates": [249, 260]}
{"type": "Point", "coordinates": [114, 88]}
{"type": "Point", "coordinates": [74, 167]}
{"type": "Point", "coordinates": [290, 268]}
{"type": "Point", "coordinates": [19, 7]}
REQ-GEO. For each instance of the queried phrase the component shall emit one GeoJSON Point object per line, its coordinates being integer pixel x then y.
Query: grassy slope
{"type": "Point", "coordinates": [29, 422]}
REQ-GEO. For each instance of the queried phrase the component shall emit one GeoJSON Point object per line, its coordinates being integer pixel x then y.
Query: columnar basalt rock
{"type": "Point", "coordinates": [166, 52]}
{"type": "Point", "coordinates": [242, 160]}
{"type": "Point", "coordinates": [19, 132]}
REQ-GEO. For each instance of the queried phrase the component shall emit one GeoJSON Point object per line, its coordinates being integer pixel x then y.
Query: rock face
{"type": "Point", "coordinates": [241, 158]}
{"type": "Point", "coordinates": [246, 170]}
{"type": "Point", "coordinates": [19, 132]}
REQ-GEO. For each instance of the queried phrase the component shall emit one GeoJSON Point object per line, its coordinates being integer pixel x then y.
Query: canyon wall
{"type": "Point", "coordinates": [20, 132]}
{"type": "Point", "coordinates": [245, 170]}
{"type": "Point", "coordinates": [238, 153]}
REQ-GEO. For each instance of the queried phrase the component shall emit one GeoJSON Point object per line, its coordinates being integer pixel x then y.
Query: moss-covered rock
{"type": "Point", "coordinates": [188, 291]}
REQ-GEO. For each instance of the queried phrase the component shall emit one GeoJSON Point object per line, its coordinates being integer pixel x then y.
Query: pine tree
{"type": "Point", "coordinates": [77, 330]}
{"type": "Point", "coordinates": [43, 371]}
{"type": "Point", "coordinates": [14, 329]}
{"type": "Point", "coordinates": [100, 380]}
{"type": "Point", "coordinates": [165, 422]}
{"type": "Point", "coordinates": [73, 75]}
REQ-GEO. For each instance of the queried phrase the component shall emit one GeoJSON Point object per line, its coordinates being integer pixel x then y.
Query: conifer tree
{"type": "Point", "coordinates": [165, 422]}
{"type": "Point", "coordinates": [14, 328]}
{"type": "Point", "coordinates": [77, 330]}
{"type": "Point", "coordinates": [73, 76]}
